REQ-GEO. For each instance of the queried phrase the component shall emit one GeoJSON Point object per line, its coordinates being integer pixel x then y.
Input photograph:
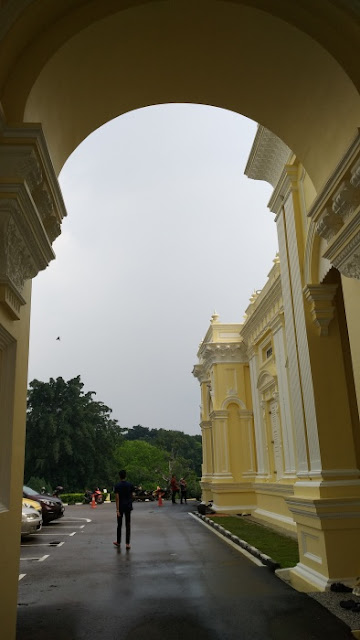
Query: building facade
{"type": "Point", "coordinates": [280, 413]}
{"type": "Point", "coordinates": [67, 68]}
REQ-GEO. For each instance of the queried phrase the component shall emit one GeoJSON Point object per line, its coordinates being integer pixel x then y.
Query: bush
{"type": "Point", "coordinates": [71, 498]}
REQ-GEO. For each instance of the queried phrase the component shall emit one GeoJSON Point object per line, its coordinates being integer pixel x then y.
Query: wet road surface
{"type": "Point", "coordinates": [178, 582]}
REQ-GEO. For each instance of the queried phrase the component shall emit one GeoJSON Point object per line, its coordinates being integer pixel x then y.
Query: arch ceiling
{"type": "Point", "coordinates": [74, 65]}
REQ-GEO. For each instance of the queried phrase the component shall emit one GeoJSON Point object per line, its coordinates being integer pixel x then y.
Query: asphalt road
{"type": "Point", "coordinates": [179, 581]}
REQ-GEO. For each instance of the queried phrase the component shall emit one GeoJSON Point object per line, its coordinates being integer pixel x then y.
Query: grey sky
{"type": "Point", "coordinates": [162, 228]}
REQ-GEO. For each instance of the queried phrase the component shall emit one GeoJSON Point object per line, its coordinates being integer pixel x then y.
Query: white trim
{"type": "Point", "coordinates": [275, 516]}
{"type": "Point", "coordinates": [240, 508]}
{"type": "Point", "coordinates": [329, 483]}
{"type": "Point", "coordinates": [317, 579]}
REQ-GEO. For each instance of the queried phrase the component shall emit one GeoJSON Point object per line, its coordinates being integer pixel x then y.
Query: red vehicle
{"type": "Point", "coordinates": [98, 495]}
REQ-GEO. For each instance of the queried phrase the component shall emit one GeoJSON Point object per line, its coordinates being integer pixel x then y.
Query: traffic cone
{"type": "Point", "coordinates": [160, 501]}
{"type": "Point", "coordinates": [93, 503]}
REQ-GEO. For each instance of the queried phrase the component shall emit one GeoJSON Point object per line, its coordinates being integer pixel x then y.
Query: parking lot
{"type": "Point", "coordinates": [177, 581]}
{"type": "Point", "coordinates": [41, 546]}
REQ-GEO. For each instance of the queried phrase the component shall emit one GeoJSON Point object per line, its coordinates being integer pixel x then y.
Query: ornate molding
{"type": "Point", "coordinates": [344, 252]}
{"type": "Point", "coordinates": [336, 213]}
{"type": "Point", "coordinates": [267, 157]}
{"type": "Point", "coordinates": [31, 211]}
{"type": "Point", "coordinates": [321, 298]}
{"type": "Point", "coordinates": [201, 373]}
{"type": "Point", "coordinates": [328, 224]}
{"type": "Point", "coordinates": [224, 352]}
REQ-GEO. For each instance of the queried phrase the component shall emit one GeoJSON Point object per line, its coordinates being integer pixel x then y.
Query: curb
{"type": "Point", "coordinates": [266, 560]}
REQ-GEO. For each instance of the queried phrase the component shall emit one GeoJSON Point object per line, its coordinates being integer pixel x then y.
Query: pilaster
{"type": "Point", "coordinates": [284, 399]}
{"type": "Point", "coordinates": [31, 211]}
{"type": "Point", "coordinates": [260, 435]}
{"type": "Point", "coordinates": [219, 421]}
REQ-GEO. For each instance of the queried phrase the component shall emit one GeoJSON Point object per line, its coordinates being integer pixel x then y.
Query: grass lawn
{"type": "Point", "coordinates": [280, 548]}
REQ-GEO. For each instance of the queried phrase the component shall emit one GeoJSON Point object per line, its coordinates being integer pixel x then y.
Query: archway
{"type": "Point", "coordinates": [73, 66]}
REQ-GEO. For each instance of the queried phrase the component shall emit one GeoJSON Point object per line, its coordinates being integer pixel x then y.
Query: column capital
{"type": "Point", "coordinates": [321, 298]}
{"type": "Point", "coordinates": [31, 211]}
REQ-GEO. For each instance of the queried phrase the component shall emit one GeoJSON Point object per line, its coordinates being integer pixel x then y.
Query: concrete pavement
{"type": "Point", "coordinates": [178, 582]}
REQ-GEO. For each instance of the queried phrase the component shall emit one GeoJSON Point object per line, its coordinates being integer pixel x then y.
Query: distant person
{"type": "Point", "coordinates": [174, 489]}
{"type": "Point", "coordinates": [124, 498]}
{"type": "Point", "coordinates": [183, 490]}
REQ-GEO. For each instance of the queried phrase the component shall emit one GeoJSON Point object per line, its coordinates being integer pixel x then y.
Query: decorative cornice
{"type": "Point", "coordinates": [263, 314]}
{"type": "Point", "coordinates": [24, 155]}
{"type": "Point", "coordinates": [267, 157]}
{"type": "Point", "coordinates": [219, 414]}
{"type": "Point", "coordinates": [24, 246]}
{"type": "Point", "coordinates": [336, 213]}
{"type": "Point", "coordinates": [220, 353]}
{"type": "Point", "coordinates": [31, 211]}
{"type": "Point", "coordinates": [344, 252]}
{"type": "Point", "coordinates": [321, 298]}
{"type": "Point", "coordinates": [287, 183]}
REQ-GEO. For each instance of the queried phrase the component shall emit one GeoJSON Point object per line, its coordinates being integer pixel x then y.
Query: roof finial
{"type": "Point", "coordinates": [214, 317]}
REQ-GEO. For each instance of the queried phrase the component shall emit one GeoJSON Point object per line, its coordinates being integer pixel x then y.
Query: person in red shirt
{"type": "Point", "coordinates": [174, 489]}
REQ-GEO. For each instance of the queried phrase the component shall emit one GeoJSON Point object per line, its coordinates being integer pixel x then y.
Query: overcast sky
{"type": "Point", "coordinates": [162, 228]}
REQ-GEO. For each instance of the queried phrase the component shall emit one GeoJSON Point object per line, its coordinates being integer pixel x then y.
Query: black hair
{"type": "Point", "coordinates": [122, 474]}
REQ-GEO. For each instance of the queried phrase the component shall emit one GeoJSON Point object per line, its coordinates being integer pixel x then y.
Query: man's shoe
{"type": "Point", "coordinates": [128, 546]}
{"type": "Point", "coordinates": [116, 544]}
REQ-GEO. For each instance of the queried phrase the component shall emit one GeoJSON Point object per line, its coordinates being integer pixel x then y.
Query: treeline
{"type": "Point", "coordinates": [72, 440]}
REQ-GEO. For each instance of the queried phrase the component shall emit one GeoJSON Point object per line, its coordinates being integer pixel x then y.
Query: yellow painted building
{"type": "Point", "coordinates": [279, 412]}
{"type": "Point", "coordinates": [68, 67]}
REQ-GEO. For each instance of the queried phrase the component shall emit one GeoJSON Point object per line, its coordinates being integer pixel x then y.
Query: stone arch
{"type": "Point", "coordinates": [315, 265]}
{"type": "Point", "coordinates": [205, 52]}
{"type": "Point", "coordinates": [267, 380]}
{"type": "Point", "coordinates": [233, 400]}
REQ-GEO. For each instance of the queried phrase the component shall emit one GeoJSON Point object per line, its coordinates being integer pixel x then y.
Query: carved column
{"type": "Point", "coordinates": [207, 467]}
{"type": "Point", "coordinates": [259, 425]}
{"type": "Point", "coordinates": [31, 210]}
{"type": "Point", "coordinates": [221, 444]}
{"type": "Point", "coordinates": [284, 396]}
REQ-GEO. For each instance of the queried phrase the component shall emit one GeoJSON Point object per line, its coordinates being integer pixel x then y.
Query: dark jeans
{"type": "Point", "coordinates": [127, 514]}
{"type": "Point", "coordinates": [173, 495]}
{"type": "Point", "coordinates": [183, 497]}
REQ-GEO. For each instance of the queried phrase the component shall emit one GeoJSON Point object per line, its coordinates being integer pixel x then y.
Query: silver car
{"type": "Point", "coordinates": [31, 521]}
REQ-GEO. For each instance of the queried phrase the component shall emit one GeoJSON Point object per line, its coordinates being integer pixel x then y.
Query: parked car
{"type": "Point", "coordinates": [27, 502]}
{"type": "Point", "coordinates": [31, 521]}
{"type": "Point", "coordinates": [51, 506]}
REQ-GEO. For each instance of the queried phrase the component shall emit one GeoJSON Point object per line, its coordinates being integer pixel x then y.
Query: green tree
{"type": "Point", "coordinates": [145, 464]}
{"type": "Point", "coordinates": [70, 437]}
{"type": "Point", "coordinates": [177, 443]}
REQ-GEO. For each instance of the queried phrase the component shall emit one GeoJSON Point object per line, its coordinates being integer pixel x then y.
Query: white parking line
{"type": "Point", "coordinates": [21, 576]}
{"type": "Point", "coordinates": [41, 559]}
{"type": "Point", "coordinates": [56, 534]}
{"type": "Point", "coordinates": [70, 520]}
{"type": "Point", "coordinates": [70, 526]}
{"type": "Point", "coordinates": [43, 544]}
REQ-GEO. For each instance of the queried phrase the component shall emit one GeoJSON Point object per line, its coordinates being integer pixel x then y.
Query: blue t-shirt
{"type": "Point", "coordinates": [125, 490]}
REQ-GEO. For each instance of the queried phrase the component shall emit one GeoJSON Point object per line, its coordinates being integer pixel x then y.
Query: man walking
{"type": "Point", "coordinates": [124, 498]}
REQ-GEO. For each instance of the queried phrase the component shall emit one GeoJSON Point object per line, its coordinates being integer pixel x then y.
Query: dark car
{"type": "Point", "coordinates": [52, 507]}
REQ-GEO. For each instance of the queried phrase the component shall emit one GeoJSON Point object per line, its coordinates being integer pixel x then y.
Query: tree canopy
{"type": "Point", "coordinates": [71, 440]}
{"type": "Point", "coordinates": [70, 437]}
